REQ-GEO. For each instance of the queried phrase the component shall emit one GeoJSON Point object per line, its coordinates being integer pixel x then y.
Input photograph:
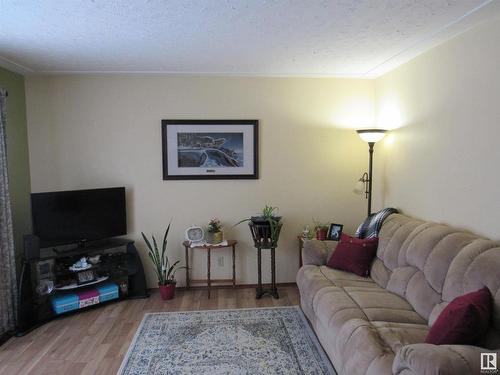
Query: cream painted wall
{"type": "Point", "coordinates": [104, 130]}
{"type": "Point", "coordinates": [442, 163]}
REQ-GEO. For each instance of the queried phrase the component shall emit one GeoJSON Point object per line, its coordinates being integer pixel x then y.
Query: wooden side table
{"type": "Point", "coordinates": [301, 246]}
{"type": "Point", "coordinates": [209, 248]}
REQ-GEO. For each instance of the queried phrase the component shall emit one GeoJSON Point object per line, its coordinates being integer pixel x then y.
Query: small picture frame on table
{"type": "Point", "coordinates": [84, 277]}
{"type": "Point", "coordinates": [334, 232]}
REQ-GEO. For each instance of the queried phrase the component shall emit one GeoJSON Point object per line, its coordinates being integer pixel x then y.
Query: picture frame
{"type": "Point", "coordinates": [87, 276]}
{"type": "Point", "coordinates": [210, 149]}
{"type": "Point", "coordinates": [334, 232]}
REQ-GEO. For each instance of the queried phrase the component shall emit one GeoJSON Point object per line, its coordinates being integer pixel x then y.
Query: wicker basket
{"type": "Point", "coordinates": [261, 234]}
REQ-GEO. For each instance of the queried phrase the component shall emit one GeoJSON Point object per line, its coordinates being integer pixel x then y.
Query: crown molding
{"type": "Point", "coordinates": [14, 66]}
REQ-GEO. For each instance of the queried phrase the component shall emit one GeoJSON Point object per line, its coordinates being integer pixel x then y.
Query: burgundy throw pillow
{"type": "Point", "coordinates": [354, 254]}
{"type": "Point", "coordinates": [464, 321]}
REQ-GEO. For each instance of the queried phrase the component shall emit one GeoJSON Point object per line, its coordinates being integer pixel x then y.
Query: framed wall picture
{"type": "Point", "coordinates": [210, 149]}
{"type": "Point", "coordinates": [334, 232]}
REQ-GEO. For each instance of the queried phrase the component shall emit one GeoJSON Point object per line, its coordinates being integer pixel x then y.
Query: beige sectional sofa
{"type": "Point", "coordinates": [377, 325]}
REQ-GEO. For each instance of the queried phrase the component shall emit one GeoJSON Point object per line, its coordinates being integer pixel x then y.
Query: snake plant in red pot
{"type": "Point", "coordinates": [164, 269]}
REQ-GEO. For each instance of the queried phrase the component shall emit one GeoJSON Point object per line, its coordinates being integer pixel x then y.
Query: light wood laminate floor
{"type": "Point", "coordinates": [95, 341]}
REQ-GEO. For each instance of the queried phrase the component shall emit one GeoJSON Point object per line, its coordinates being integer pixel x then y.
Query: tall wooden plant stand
{"type": "Point", "coordinates": [261, 234]}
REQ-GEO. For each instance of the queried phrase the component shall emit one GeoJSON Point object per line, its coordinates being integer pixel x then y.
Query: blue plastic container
{"type": "Point", "coordinates": [64, 302]}
{"type": "Point", "coordinates": [107, 291]}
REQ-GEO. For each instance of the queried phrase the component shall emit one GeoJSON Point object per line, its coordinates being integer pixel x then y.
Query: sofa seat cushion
{"type": "Point", "coordinates": [379, 304]}
{"type": "Point", "coordinates": [343, 279]}
{"type": "Point", "coordinates": [310, 280]}
{"type": "Point", "coordinates": [336, 296]}
{"type": "Point", "coordinates": [397, 335]}
{"type": "Point", "coordinates": [362, 349]}
{"type": "Point", "coordinates": [333, 307]}
{"type": "Point", "coordinates": [370, 347]}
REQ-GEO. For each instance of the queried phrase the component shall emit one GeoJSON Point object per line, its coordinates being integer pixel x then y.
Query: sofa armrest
{"type": "Point", "coordinates": [428, 359]}
{"type": "Point", "coordinates": [317, 252]}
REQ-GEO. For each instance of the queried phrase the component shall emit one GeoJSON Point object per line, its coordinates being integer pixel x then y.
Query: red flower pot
{"type": "Point", "coordinates": [167, 291]}
{"type": "Point", "coordinates": [321, 234]}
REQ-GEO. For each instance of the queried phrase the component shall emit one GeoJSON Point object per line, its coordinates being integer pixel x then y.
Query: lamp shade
{"type": "Point", "coordinates": [371, 135]}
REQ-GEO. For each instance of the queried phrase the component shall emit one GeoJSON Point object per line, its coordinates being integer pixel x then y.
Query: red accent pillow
{"type": "Point", "coordinates": [464, 321]}
{"type": "Point", "coordinates": [354, 254]}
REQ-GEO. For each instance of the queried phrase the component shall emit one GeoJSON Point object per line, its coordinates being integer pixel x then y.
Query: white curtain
{"type": "Point", "coordinates": [8, 287]}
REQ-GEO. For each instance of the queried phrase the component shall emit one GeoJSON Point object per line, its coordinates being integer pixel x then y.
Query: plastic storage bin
{"type": "Point", "coordinates": [107, 291]}
{"type": "Point", "coordinates": [65, 302]}
{"type": "Point", "coordinates": [88, 297]}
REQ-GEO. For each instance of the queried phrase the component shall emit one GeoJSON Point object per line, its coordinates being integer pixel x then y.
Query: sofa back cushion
{"type": "Point", "coordinates": [430, 264]}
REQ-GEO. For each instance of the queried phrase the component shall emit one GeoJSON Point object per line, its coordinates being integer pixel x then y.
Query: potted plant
{"type": "Point", "coordinates": [321, 230]}
{"type": "Point", "coordinates": [214, 231]}
{"type": "Point", "coordinates": [266, 216]}
{"type": "Point", "coordinates": [165, 271]}
{"type": "Point", "coordinates": [307, 234]}
{"type": "Point", "coordinates": [267, 224]}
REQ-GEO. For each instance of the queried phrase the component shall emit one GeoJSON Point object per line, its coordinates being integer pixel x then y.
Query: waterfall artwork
{"type": "Point", "coordinates": [210, 149]}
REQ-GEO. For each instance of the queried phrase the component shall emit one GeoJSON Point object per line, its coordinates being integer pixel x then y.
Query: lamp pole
{"type": "Point", "coordinates": [370, 176]}
{"type": "Point", "coordinates": [370, 136]}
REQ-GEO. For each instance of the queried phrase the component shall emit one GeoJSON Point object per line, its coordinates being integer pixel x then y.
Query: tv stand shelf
{"type": "Point", "coordinates": [89, 249]}
{"type": "Point", "coordinates": [78, 286]}
{"type": "Point", "coordinates": [119, 263]}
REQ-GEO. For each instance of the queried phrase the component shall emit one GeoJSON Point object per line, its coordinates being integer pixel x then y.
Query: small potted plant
{"type": "Point", "coordinates": [307, 234]}
{"type": "Point", "coordinates": [164, 269]}
{"type": "Point", "coordinates": [214, 231]}
{"type": "Point", "coordinates": [266, 219]}
{"type": "Point", "coordinates": [321, 230]}
{"type": "Point", "coordinates": [267, 215]}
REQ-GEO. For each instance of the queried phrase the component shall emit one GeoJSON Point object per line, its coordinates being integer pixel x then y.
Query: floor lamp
{"type": "Point", "coordinates": [371, 136]}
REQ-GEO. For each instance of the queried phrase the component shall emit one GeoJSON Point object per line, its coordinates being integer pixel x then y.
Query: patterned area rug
{"type": "Point", "coordinates": [244, 342]}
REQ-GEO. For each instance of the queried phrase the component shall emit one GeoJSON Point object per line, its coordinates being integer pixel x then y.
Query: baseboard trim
{"type": "Point", "coordinates": [5, 337]}
{"type": "Point", "coordinates": [238, 286]}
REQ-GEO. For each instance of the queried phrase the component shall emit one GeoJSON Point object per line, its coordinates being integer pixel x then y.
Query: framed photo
{"type": "Point", "coordinates": [334, 232]}
{"type": "Point", "coordinates": [210, 149]}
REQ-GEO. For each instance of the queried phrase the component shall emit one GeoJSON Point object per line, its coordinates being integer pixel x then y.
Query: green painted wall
{"type": "Point", "coordinates": [17, 155]}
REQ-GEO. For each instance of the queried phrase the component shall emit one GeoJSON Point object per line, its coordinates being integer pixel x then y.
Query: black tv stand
{"type": "Point", "coordinates": [83, 247]}
{"type": "Point", "coordinates": [82, 243]}
{"type": "Point", "coordinates": [120, 263]}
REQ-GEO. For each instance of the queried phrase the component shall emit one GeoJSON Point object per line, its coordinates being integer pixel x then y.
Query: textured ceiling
{"type": "Point", "coordinates": [259, 37]}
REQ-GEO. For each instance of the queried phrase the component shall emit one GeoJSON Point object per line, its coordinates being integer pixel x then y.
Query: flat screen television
{"type": "Point", "coordinates": [77, 216]}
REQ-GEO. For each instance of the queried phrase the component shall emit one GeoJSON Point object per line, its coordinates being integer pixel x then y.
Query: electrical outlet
{"type": "Point", "coordinates": [220, 261]}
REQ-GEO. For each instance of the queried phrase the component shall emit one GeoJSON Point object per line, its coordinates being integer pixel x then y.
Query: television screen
{"type": "Point", "coordinates": [79, 215]}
